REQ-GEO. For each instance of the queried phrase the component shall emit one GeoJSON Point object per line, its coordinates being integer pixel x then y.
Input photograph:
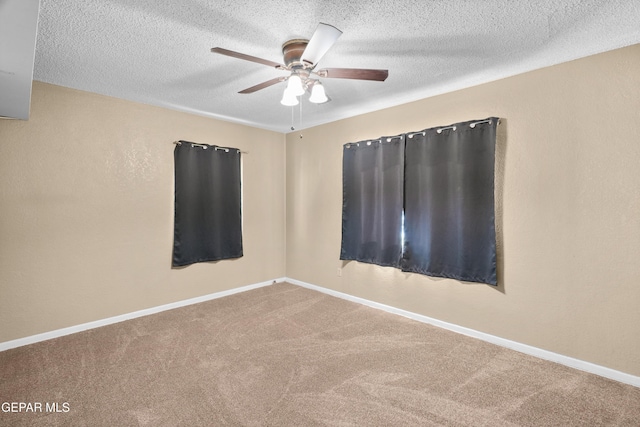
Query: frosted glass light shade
{"type": "Point", "coordinates": [318, 95]}
{"type": "Point", "coordinates": [295, 85]}
{"type": "Point", "coordinates": [288, 98]}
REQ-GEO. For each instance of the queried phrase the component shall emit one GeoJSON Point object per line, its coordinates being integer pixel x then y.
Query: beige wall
{"type": "Point", "coordinates": [86, 210]}
{"type": "Point", "coordinates": [568, 196]}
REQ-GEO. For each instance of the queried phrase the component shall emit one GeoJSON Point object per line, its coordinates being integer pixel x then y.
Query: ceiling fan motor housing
{"type": "Point", "coordinates": [292, 51]}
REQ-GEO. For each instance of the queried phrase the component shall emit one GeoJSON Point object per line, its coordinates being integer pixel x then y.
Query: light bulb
{"type": "Point", "coordinates": [318, 95]}
{"type": "Point", "coordinates": [295, 85]}
{"type": "Point", "coordinates": [288, 98]}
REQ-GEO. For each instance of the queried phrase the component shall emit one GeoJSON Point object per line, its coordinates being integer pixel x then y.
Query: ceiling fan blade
{"type": "Point", "coordinates": [323, 38]}
{"type": "Point", "coordinates": [238, 55]}
{"type": "Point", "coordinates": [354, 73]}
{"type": "Point", "coordinates": [263, 85]}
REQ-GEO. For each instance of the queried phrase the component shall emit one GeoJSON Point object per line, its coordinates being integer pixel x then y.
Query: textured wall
{"type": "Point", "coordinates": [86, 199]}
{"type": "Point", "coordinates": [86, 210]}
{"type": "Point", "coordinates": [568, 210]}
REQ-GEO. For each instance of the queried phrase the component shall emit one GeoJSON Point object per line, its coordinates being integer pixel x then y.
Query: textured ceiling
{"type": "Point", "coordinates": [158, 51]}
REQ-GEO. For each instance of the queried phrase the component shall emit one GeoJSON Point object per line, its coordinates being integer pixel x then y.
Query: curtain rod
{"type": "Point", "coordinates": [452, 127]}
{"type": "Point", "coordinates": [205, 146]}
{"type": "Point", "coordinates": [422, 132]}
{"type": "Point", "coordinates": [379, 140]}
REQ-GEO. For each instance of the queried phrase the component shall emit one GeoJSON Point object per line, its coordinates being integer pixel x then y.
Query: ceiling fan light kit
{"type": "Point", "coordinates": [301, 57]}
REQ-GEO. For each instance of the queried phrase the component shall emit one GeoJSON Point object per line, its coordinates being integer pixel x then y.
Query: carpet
{"type": "Point", "coordinates": [284, 355]}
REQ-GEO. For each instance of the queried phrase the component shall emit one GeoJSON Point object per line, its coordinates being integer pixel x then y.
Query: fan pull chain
{"type": "Point", "coordinates": [293, 118]}
{"type": "Point", "coordinates": [300, 117]}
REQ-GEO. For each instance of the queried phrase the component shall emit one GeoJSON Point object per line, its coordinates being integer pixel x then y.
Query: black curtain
{"type": "Point", "coordinates": [449, 202]}
{"type": "Point", "coordinates": [372, 201]}
{"type": "Point", "coordinates": [208, 217]}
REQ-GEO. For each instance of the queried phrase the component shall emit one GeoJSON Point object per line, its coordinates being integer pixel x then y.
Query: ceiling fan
{"type": "Point", "coordinates": [301, 56]}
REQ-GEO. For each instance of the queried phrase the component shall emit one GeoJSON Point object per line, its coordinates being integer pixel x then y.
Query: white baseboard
{"type": "Point", "coordinates": [98, 323]}
{"type": "Point", "coordinates": [522, 348]}
{"type": "Point", "coordinates": [513, 345]}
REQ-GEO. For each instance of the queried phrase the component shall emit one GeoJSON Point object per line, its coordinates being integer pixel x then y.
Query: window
{"type": "Point", "coordinates": [208, 204]}
{"type": "Point", "coordinates": [372, 201]}
{"type": "Point", "coordinates": [441, 212]}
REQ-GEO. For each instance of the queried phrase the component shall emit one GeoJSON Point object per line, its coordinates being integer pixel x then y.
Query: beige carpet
{"type": "Point", "coordinates": [285, 355]}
